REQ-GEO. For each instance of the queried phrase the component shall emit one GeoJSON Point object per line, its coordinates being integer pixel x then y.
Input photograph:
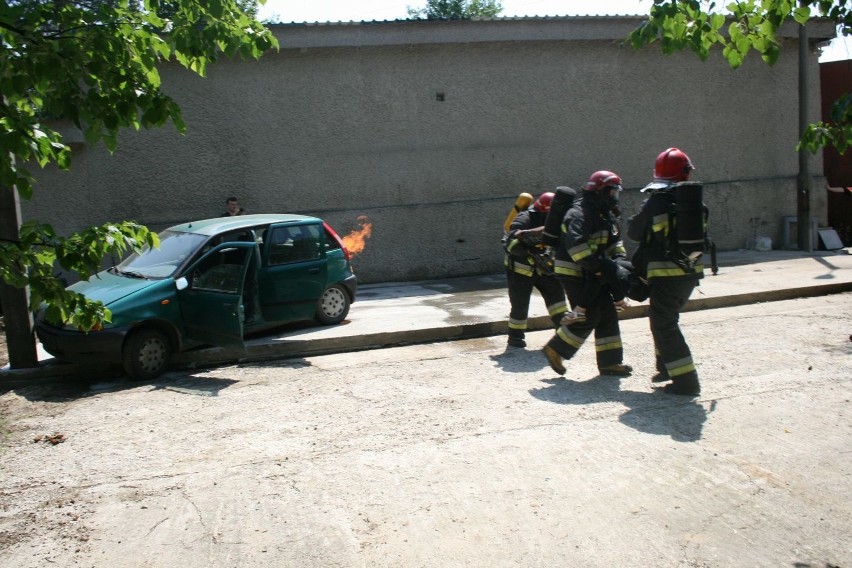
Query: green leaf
{"type": "Point", "coordinates": [734, 57]}
{"type": "Point", "coordinates": [802, 14]}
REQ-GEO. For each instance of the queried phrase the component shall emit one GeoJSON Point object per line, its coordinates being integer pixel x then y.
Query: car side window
{"type": "Point", "coordinates": [242, 235]}
{"type": "Point", "coordinates": [220, 272]}
{"type": "Point", "coordinates": [294, 243]}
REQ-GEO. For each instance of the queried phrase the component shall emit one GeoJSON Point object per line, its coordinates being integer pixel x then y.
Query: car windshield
{"type": "Point", "coordinates": [175, 248]}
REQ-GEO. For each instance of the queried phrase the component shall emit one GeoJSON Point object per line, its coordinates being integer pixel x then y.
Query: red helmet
{"type": "Point", "coordinates": [602, 179]}
{"type": "Point", "coordinates": [542, 204]}
{"type": "Point", "coordinates": [673, 165]}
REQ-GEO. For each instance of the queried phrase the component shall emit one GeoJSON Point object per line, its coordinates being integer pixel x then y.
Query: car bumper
{"type": "Point", "coordinates": [351, 284]}
{"type": "Point", "coordinates": [96, 346]}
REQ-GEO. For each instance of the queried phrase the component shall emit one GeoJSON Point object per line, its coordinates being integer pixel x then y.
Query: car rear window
{"type": "Point", "coordinates": [294, 243]}
{"type": "Point", "coordinates": [332, 242]}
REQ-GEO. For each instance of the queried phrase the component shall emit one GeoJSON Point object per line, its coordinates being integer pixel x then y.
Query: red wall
{"type": "Point", "coordinates": [835, 80]}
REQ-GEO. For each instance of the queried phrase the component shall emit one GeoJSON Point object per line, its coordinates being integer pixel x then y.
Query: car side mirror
{"type": "Point", "coordinates": [181, 283]}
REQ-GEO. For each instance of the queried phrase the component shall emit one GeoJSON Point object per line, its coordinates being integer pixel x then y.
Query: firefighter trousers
{"type": "Point", "coordinates": [520, 291]}
{"type": "Point", "coordinates": [668, 296]}
{"type": "Point", "coordinates": [601, 318]}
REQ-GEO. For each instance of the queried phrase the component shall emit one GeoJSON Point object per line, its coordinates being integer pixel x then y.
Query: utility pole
{"type": "Point", "coordinates": [20, 338]}
{"type": "Point", "coordinates": [803, 189]}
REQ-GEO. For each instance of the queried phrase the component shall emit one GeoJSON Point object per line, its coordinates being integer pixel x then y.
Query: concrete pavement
{"type": "Point", "coordinates": [395, 314]}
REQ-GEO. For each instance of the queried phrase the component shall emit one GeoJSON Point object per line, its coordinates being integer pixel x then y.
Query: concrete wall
{"type": "Point", "coordinates": [431, 129]}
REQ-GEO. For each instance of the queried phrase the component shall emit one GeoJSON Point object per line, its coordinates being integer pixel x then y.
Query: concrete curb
{"type": "Point", "coordinates": [767, 296]}
{"type": "Point", "coordinates": [304, 348]}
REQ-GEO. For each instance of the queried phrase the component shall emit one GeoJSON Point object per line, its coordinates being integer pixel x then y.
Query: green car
{"type": "Point", "coordinates": [209, 283]}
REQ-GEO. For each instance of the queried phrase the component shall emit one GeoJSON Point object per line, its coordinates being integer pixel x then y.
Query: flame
{"type": "Point", "coordinates": [355, 240]}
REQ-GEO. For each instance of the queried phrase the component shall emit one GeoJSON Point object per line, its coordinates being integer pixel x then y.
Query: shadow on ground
{"type": "Point", "coordinates": [656, 413]}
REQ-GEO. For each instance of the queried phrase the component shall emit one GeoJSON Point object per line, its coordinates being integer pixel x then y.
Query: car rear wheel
{"type": "Point", "coordinates": [333, 305]}
{"type": "Point", "coordinates": [146, 354]}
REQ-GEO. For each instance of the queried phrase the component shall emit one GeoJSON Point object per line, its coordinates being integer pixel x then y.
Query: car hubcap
{"type": "Point", "coordinates": [333, 302]}
{"type": "Point", "coordinates": [152, 355]}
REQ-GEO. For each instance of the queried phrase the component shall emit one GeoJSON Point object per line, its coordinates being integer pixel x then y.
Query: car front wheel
{"type": "Point", "coordinates": [146, 354]}
{"type": "Point", "coordinates": [333, 305]}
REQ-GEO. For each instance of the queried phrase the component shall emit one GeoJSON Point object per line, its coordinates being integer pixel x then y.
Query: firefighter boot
{"type": "Point", "coordinates": [516, 338]}
{"type": "Point", "coordinates": [618, 370]}
{"type": "Point", "coordinates": [686, 385]}
{"type": "Point", "coordinates": [661, 377]}
{"type": "Point", "coordinates": [554, 359]}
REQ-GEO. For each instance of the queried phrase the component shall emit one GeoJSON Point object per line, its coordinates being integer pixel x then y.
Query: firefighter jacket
{"type": "Point", "coordinates": [651, 227]}
{"type": "Point", "coordinates": [590, 240]}
{"type": "Point", "coordinates": [524, 256]}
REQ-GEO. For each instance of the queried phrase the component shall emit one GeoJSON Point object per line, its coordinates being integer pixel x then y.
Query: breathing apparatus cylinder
{"type": "Point", "coordinates": [689, 219]}
{"type": "Point", "coordinates": [522, 202]}
{"type": "Point", "coordinates": [563, 198]}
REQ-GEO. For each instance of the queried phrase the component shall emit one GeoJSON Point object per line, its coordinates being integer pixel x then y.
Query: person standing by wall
{"type": "Point", "coordinates": [670, 279]}
{"type": "Point", "coordinates": [590, 243]}
{"type": "Point", "coordinates": [526, 268]}
{"type": "Point", "coordinates": [232, 208]}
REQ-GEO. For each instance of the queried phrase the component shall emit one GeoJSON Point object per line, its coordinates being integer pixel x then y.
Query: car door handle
{"type": "Point", "coordinates": [313, 271]}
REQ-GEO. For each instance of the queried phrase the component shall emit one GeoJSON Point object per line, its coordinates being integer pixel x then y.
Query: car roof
{"type": "Point", "coordinates": [224, 224]}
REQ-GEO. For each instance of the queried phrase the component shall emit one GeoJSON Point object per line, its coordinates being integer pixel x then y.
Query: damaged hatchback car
{"type": "Point", "coordinates": [210, 282]}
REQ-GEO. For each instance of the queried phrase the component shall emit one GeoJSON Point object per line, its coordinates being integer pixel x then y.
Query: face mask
{"type": "Point", "coordinates": [609, 199]}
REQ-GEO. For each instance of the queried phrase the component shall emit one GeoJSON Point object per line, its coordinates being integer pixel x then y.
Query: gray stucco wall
{"type": "Point", "coordinates": [345, 121]}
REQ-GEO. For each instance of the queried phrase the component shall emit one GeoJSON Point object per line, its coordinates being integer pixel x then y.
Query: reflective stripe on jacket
{"type": "Point", "coordinates": [587, 237]}
{"type": "Point", "coordinates": [518, 259]}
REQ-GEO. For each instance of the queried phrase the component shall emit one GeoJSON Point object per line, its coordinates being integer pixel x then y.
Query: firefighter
{"type": "Point", "coordinates": [670, 283]}
{"type": "Point", "coordinates": [527, 267]}
{"type": "Point", "coordinates": [589, 246]}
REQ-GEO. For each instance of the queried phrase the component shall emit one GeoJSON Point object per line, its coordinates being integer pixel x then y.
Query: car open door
{"type": "Point", "coordinates": [295, 272]}
{"type": "Point", "coordinates": [211, 294]}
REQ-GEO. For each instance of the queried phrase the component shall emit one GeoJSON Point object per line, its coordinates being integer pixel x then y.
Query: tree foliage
{"type": "Point", "coordinates": [742, 26]}
{"type": "Point", "coordinates": [456, 9]}
{"type": "Point", "coordinates": [93, 63]}
{"type": "Point", "coordinates": [30, 262]}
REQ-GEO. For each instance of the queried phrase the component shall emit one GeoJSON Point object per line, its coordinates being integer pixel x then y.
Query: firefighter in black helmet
{"type": "Point", "coordinates": [527, 267]}
{"type": "Point", "coordinates": [589, 248]}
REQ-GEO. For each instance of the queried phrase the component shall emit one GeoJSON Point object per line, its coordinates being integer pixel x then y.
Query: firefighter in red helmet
{"type": "Point", "coordinates": [542, 204]}
{"type": "Point", "coordinates": [672, 165]}
{"type": "Point", "coordinates": [589, 249]}
{"type": "Point", "coordinates": [670, 279]}
{"type": "Point", "coordinates": [528, 267]}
